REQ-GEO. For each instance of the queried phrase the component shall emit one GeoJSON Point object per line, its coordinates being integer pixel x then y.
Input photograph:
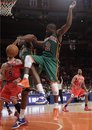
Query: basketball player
{"type": "Point", "coordinates": [49, 59]}
{"type": "Point", "coordinates": [25, 51]}
{"type": "Point", "coordinates": [10, 71]}
{"type": "Point", "coordinates": [78, 89]}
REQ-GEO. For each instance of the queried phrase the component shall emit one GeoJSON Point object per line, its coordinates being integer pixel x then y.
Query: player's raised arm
{"type": "Point", "coordinates": [27, 38]}
{"type": "Point", "coordinates": [65, 27]}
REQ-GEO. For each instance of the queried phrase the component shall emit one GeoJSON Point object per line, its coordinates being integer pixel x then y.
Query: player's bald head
{"type": "Point", "coordinates": [51, 26]}
{"type": "Point", "coordinates": [50, 29]}
{"type": "Point", "coordinates": [80, 71]}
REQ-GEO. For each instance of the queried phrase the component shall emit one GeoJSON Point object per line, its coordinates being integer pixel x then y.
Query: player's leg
{"type": "Point", "coordinates": [42, 98]}
{"type": "Point", "coordinates": [17, 106]}
{"type": "Point", "coordinates": [74, 93]}
{"type": "Point", "coordinates": [8, 108]}
{"type": "Point", "coordinates": [1, 105]}
{"type": "Point", "coordinates": [86, 103]}
{"type": "Point", "coordinates": [15, 91]}
{"type": "Point", "coordinates": [69, 101]}
{"type": "Point", "coordinates": [29, 60]}
{"type": "Point", "coordinates": [55, 91]}
{"type": "Point", "coordinates": [21, 120]}
{"type": "Point", "coordinates": [61, 95]}
{"type": "Point", "coordinates": [84, 93]}
{"type": "Point", "coordinates": [4, 96]}
{"type": "Point", "coordinates": [51, 71]}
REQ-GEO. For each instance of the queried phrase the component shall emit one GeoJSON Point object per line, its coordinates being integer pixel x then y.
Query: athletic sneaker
{"type": "Point", "coordinates": [18, 123]}
{"type": "Point", "coordinates": [64, 109]}
{"type": "Point", "coordinates": [24, 83]}
{"type": "Point", "coordinates": [55, 114]}
{"type": "Point", "coordinates": [41, 100]}
{"type": "Point", "coordinates": [87, 109]}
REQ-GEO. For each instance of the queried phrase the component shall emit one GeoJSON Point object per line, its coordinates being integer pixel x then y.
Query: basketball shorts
{"type": "Point", "coordinates": [10, 91]}
{"type": "Point", "coordinates": [78, 92]}
{"type": "Point", "coordinates": [49, 65]}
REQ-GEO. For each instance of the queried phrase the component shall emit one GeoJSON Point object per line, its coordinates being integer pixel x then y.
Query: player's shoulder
{"type": "Point", "coordinates": [18, 61]}
{"type": "Point", "coordinates": [4, 65]}
{"type": "Point", "coordinates": [75, 76]}
{"type": "Point", "coordinates": [82, 77]}
{"type": "Point", "coordinates": [53, 37]}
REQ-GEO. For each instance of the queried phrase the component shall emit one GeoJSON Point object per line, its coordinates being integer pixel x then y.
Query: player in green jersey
{"type": "Point", "coordinates": [49, 59]}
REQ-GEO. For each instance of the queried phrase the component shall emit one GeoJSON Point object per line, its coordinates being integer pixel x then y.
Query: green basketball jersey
{"type": "Point", "coordinates": [52, 46]}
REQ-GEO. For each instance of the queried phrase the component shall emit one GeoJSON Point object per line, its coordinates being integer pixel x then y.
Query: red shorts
{"type": "Point", "coordinates": [78, 92]}
{"type": "Point", "coordinates": [10, 91]}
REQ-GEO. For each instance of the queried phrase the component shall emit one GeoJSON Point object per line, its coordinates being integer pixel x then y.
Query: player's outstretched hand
{"type": "Point", "coordinates": [73, 4]}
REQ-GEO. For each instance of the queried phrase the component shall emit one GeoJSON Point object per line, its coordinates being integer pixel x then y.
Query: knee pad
{"type": "Point", "coordinates": [28, 61]}
{"type": "Point", "coordinates": [55, 89]}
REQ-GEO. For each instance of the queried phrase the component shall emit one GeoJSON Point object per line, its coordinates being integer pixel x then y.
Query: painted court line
{"type": "Point", "coordinates": [45, 122]}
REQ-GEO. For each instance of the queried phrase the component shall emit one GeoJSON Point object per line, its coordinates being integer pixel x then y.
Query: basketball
{"type": "Point", "coordinates": [12, 50]}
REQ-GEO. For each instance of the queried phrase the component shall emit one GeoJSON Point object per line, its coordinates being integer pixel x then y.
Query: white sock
{"type": "Point", "coordinates": [40, 88]}
{"type": "Point", "coordinates": [26, 76]}
{"type": "Point", "coordinates": [22, 112]}
{"type": "Point", "coordinates": [55, 105]}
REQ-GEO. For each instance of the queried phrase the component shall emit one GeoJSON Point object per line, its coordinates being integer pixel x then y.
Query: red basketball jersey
{"type": "Point", "coordinates": [79, 80]}
{"type": "Point", "coordinates": [12, 70]}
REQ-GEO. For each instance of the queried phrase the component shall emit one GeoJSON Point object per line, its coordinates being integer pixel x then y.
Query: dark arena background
{"type": "Point", "coordinates": [21, 17]}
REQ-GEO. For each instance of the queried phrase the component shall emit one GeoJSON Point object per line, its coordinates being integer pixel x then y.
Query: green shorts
{"type": "Point", "coordinates": [50, 66]}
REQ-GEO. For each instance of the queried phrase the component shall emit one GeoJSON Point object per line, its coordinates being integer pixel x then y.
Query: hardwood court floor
{"type": "Point", "coordinates": [41, 118]}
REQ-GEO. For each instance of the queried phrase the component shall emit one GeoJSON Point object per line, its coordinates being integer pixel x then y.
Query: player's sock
{"type": "Point", "coordinates": [17, 106]}
{"type": "Point", "coordinates": [22, 112]}
{"type": "Point", "coordinates": [40, 89]}
{"type": "Point", "coordinates": [26, 76]}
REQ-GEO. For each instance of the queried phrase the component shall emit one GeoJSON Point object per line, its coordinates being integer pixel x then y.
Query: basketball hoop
{"type": "Point", "coordinates": [6, 6]}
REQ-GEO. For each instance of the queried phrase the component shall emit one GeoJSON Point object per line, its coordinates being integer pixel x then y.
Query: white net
{"type": "Point", "coordinates": [6, 6]}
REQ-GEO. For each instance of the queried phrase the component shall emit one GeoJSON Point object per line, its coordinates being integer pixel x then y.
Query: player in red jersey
{"type": "Point", "coordinates": [78, 89]}
{"type": "Point", "coordinates": [10, 71]}
{"type": "Point", "coordinates": [6, 104]}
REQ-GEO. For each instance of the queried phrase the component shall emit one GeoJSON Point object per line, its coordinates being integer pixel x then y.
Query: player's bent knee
{"type": "Point", "coordinates": [28, 61]}
{"type": "Point", "coordinates": [55, 89]}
